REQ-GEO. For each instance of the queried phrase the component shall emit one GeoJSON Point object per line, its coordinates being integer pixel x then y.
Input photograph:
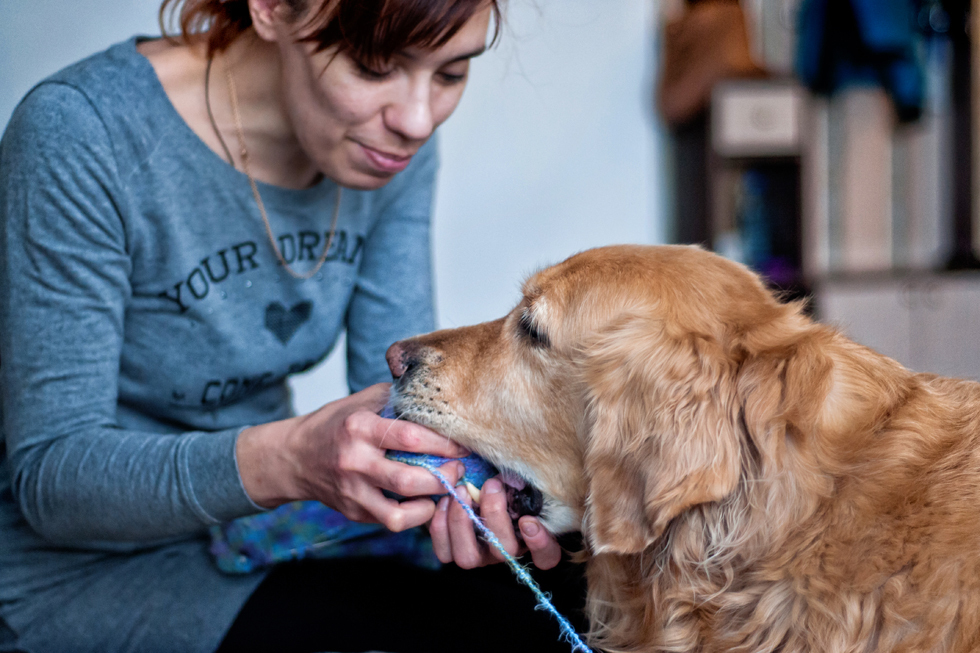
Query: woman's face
{"type": "Point", "coordinates": [360, 126]}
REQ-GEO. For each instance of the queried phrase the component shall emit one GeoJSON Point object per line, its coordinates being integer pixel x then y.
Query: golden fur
{"type": "Point", "coordinates": [745, 479]}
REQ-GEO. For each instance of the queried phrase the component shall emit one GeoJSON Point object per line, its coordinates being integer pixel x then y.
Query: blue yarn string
{"type": "Point", "coordinates": [544, 601]}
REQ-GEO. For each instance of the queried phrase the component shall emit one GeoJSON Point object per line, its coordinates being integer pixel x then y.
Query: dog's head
{"type": "Point", "coordinates": [629, 385]}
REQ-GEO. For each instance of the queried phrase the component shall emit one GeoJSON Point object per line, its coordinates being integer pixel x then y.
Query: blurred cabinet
{"type": "Point", "coordinates": [929, 323]}
{"type": "Point", "coordinates": [754, 177]}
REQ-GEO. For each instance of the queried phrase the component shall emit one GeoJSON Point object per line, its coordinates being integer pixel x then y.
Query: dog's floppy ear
{"type": "Point", "coordinates": [663, 432]}
{"type": "Point", "coordinates": [783, 386]}
{"type": "Point", "coordinates": [803, 383]}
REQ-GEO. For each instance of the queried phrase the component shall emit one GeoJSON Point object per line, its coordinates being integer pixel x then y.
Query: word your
{"type": "Point", "coordinates": [244, 257]}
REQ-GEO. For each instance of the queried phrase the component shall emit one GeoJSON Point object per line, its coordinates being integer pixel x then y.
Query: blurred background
{"type": "Point", "coordinates": [828, 144]}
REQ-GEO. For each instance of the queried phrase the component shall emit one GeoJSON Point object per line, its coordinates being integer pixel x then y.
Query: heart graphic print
{"type": "Point", "coordinates": [283, 323]}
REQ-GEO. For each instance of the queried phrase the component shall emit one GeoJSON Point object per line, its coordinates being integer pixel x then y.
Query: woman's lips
{"type": "Point", "coordinates": [385, 162]}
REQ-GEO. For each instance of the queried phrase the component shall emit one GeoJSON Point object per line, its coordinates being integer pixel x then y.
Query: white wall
{"type": "Point", "coordinates": [38, 37]}
{"type": "Point", "coordinates": [553, 149]}
{"type": "Point", "coordinates": [550, 152]}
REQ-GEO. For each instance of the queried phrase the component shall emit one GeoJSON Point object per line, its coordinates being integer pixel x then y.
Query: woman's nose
{"type": "Point", "coordinates": [411, 114]}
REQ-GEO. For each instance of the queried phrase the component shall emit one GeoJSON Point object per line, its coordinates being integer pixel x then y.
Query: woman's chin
{"type": "Point", "coordinates": [360, 180]}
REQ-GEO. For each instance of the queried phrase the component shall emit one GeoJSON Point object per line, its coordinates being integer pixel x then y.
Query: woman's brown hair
{"type": "Point", "coordinates": [371, 31]}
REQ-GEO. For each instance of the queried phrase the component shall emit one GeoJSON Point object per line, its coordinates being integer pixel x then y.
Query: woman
{"type": "Point", "coordinates": [185, 222]}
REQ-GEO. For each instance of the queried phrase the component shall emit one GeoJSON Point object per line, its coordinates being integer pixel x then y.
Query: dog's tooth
{"type": "Point", "coordinates": [474, 492]}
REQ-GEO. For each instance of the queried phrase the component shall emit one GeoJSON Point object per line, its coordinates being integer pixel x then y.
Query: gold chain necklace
{"type": "Point", "coordinates": [233, 92]}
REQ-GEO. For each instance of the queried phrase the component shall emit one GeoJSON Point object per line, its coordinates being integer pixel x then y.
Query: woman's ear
{"type": "Point", "coordinates": [663, 432]}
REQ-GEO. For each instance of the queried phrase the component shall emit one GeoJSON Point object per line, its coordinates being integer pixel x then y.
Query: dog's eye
{"type": "Point", "coordinates": [530, 331]}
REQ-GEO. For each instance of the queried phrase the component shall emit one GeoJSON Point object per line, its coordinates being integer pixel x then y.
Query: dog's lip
{"type": "Point", "coordinates": [512, 479]}
{"type": "Point", "coordinates": [528, 501]}
{"type": "Point", "coordinates": [522, 497]}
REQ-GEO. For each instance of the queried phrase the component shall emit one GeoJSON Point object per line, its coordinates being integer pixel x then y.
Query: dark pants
{"type": "Point", "coordinates": [370, 604]}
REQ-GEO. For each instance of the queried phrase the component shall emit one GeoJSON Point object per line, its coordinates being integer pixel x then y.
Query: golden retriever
{"type": "Point", "coordinates": [745, 479]}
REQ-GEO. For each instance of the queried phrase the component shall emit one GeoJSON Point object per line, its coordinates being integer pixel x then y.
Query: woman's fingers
{"type": "Point", "coordinates": [467, 551]}
{"type": "Point", "coordinates": [544, 548]}
{"type": "Point", "coordinates": [394, 515]}
{"type": "Point", "coordinates": [409, 513]}
{"type": "Point", "coordinates": [455, 540]}
{"type": "Point", "coordinates": [337, 456]}
{"type": "Point", "coordinates": [439, 531]}
{"type": "Point", "coordinates": [493, 509]}
{"type": "Point", "coordinates": [401, 435]}
{"type": "Point", "coordinates": [411, 481]}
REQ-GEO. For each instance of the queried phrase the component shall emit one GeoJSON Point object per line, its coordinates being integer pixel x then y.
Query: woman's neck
{"type": "Point", "coordinates": [275, 155]}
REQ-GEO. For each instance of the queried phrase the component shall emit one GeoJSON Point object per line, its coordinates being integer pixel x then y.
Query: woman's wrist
{"type": "Point", "coordinates": [268, 465]}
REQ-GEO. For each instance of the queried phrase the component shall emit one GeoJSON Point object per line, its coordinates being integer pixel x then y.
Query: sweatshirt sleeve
{"type": "Point", "coordinates": [77, 476]}
{"type": "Point", "coordinates": [393, 296]}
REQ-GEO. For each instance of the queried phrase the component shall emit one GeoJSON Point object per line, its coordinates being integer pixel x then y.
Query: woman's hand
{"type": "Point", "coordinates": [454, 540]}
{"type": "Point", "coordinates": [336, 455]}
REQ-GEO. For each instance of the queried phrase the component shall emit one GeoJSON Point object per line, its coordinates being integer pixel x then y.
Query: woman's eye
{"type": "Point", "coordinates": [455, 73]}
{"type": "Point", "coordinates": [371, 73]}
{"type": "Point", "coordinates": [530, 331]}
{"type": "Point", "coordinates": [452, 78]}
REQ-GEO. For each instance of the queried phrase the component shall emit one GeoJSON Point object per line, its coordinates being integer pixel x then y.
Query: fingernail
{"type": "Point", "coordinates": [463, 495]}
{"type": "Point", "coordinates": [444, 504]}
{"type": "Point", "coordinates": [460, 470]}
{"type": "Point", "coordinates": [530, 528]}
{"type": "Point", "coordinates": [493, 486]}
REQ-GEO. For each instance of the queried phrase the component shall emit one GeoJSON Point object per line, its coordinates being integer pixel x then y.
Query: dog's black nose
{"type": "Point", "coordinates": [402, 357]}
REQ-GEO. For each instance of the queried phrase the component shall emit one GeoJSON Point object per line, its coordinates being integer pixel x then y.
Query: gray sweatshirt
{"type": "Point", "coordinates": [144, 321]}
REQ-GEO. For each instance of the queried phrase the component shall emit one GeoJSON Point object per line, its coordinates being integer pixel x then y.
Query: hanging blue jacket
{"type": "Point", "coordinates": [848, 42]}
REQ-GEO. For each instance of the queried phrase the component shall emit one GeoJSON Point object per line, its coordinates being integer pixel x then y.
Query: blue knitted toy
{"type": "Point", "coordinates": [478, 471]}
